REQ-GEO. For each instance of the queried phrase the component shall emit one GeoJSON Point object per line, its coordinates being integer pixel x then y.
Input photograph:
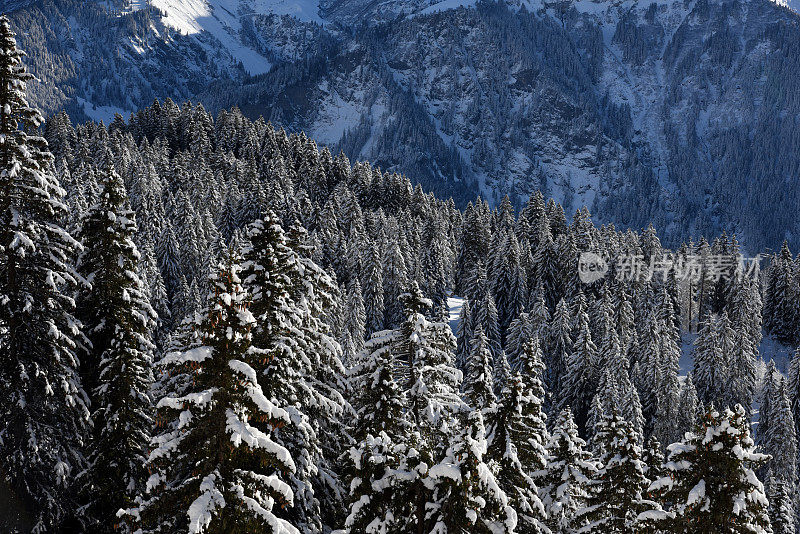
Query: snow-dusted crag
{"type": "Point", "coordinates": [683, 113]}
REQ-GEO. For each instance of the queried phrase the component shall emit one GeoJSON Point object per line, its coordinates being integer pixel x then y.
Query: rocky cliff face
{"type": "Point", "coordinates": [684, 113]}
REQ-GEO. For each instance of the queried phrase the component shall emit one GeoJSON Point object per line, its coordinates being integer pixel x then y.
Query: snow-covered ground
{"type": "Point", "coordinates": [222, 20]}
{"type": "Point", "coordinates": [447, 4]}
{"type": "Point", "coordinates": [101, 113]}
{"type": "Point", "coordinates": [455, 304]}
{"type": "Point", "coordinates": [194, 16]}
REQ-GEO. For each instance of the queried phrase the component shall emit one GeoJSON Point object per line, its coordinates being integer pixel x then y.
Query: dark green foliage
{"type": "Point", "coordinates": [211, 469]}
{"type": "Point", "coordinates": [43, 408]}
{"type": "Point", "coordinates": [119, 321]}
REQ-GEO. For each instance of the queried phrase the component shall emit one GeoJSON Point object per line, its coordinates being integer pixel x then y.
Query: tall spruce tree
{"type": "Point", "coordinates": [765, 411]}
{"type": "Point", "coordinates": [43, 410]}
{"type": "Point", "coordinates": [301, 368]}
{"type": "Point", "coordinates": [710, 484]}
{"type": "Point", "coordinates": [516, 445]}
{"type": "Point", "coordinates": [565, 480]}
{"type": "Point", "coordinates": [464, 335]}
{"type": "Point", "coordinates": [781, 440]}
{"type": "Point", "coordinates": [426, 371]}
{"type": "Point", "coordinates": [781, 506]}
{"type": "Point", "coordinates": [558, 354]}
{"type": "Point", "coordinates": [354, 320]}
{"type": "Point", "coordinates": [378, 464]}
{"type": "Point", "coordinates": [578, 387]}
{"type": "Point", "coordinates": [519, 332]}
{"type": "Point", "coordinates": [466, 496]}
{"type": "Point", "coordinates": [653, 460]}
{"type": "Point", "coordinates": [478, 383]}
{"type": "Point", "coordinates": [372, 282]}
{"type": "Point", "coordinates": [618, 491]}
{"type": "Point", "coordinates": [687, 406]}
{"type": "Point", "coordinates": [212, 470]}
{"type": "Point", "coordinates": [710, 370]}
{"type": "Point", "coordinates": [793, 388]}
{"type": "Point", "coordinates": [119, 321]}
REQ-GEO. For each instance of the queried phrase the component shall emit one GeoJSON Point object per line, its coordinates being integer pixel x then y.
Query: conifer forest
{"type": "Point", "coordinates": [212, 324]}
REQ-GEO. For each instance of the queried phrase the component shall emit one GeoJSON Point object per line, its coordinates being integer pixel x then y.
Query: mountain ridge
{"type": "Point", "coordinates": [672, 112]}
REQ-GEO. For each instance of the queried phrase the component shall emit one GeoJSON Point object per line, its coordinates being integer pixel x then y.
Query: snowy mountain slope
{"type": "Point", "coordinates": [219, 20]}
{"type": "Point", "coordinates": [791, 4]}
{"type": "Point", "coordinates": [195, 16]}
{"type": "Point", "coordinates": [679, 112]}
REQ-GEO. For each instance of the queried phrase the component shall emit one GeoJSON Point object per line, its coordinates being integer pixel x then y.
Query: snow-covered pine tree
{"type": "Point", "coordinates": [211, 469]}
{"type": "Point", "coordinates": [372, 281]}
{"type": "Point", "coordinates": [793, 388]}
{"type": "Point", "coordinates": [631, 406]}
{"type": "Point", "coordinates": [768, 310]}
{"type": "Point", "coordinates": [424, 353]}
{"type": "Point", "coordinates": [558, 350]}
{"type": "Point", "coordinates": [781, 506]}
{"type": "Point", "coordinates": [532, 369]}
{"type": "Point", "coordinates": [502, 372]}
{"type": "Point", "coordinates": [381, 403]}
{"type": "Point", "coordinates": [437, 260]}
{"type": "Point", "coordinates": [565, 480]}
{"type": "Point", "coordinates": [623, 316]}
{"type": "Point", "coordinates": [377, 465]}
{"type": "Point", "coordinates": [577, 388]}
{"type": "Point", "coordinates": [648, 354]}
{"type": "Point", "coordinates": [478, 385]}
{"type": "Point", "coordinates": [578, 306]}
{"type": "Point", "coordinates": [395, 279]}
{"type": "Point", "coordinates": [742, 367]}
{"type": "Point", "coordinates": [464, 335]}
{"type": "Point", "coordinates": [354, 320]}
{"type": "Point", "coordinates": [605, 333]}
{"type": "Point", "coordinates": [546, 269]}
{"type": "Point", "coordinates": [710, 370]}
{"type": "Point", "coordinates": [519, 332]}
{"type": "Point", "coordinates": [118, 320]}
{"type": "Point", "coordinates": [517, 435]}
{"type": "Point", "coordinates": [667, 388]}
{"type": "Point", "coordinates": [509, 288]}
{"type": "Point", "coordinates": [711, 484]}
{"type": "Point", "coordinates": [466, 495]}
{"type": "Point", "coordinates": [284, 371]}
{"type": "Point", "coordinates": [746, 312]}
{"type": "Point", "coordinates": [653, 460]}
{"type": "Point", "coordinates": [475, 235]}
{"type": "Point", "coordinates": [313, 294]}
{"type": "Point", "coordinates": [625, 396]}
{"type": "Point", "coordinates": [426, 348]}
{"type": "Point", "coordinates": [485, 314]}
{"type": "Point", "coordinates": [781, 440]}
{"type": "Point", "coordinates": [704, 287]}
{"type": "Point", "coordinates": [43, 410]}
{"type": "Point", "coordinates": [688, 405]}
{"type": "Point", "coordinates": [596, 425]}
{"type": "Point", "coordinates": [780, 297]}
{"type": "Point", "coordinates": [425, 362]}
{"type": "Point", "coordinates": [765, 410]}
{"type": "Point", "coordinates": [618, 490]}
{"type": "Point", "coordinates": [539, 316]}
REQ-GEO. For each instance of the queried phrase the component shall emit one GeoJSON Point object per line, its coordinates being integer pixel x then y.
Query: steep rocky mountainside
{"type": "Point", "coordinates": [683, 113]}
